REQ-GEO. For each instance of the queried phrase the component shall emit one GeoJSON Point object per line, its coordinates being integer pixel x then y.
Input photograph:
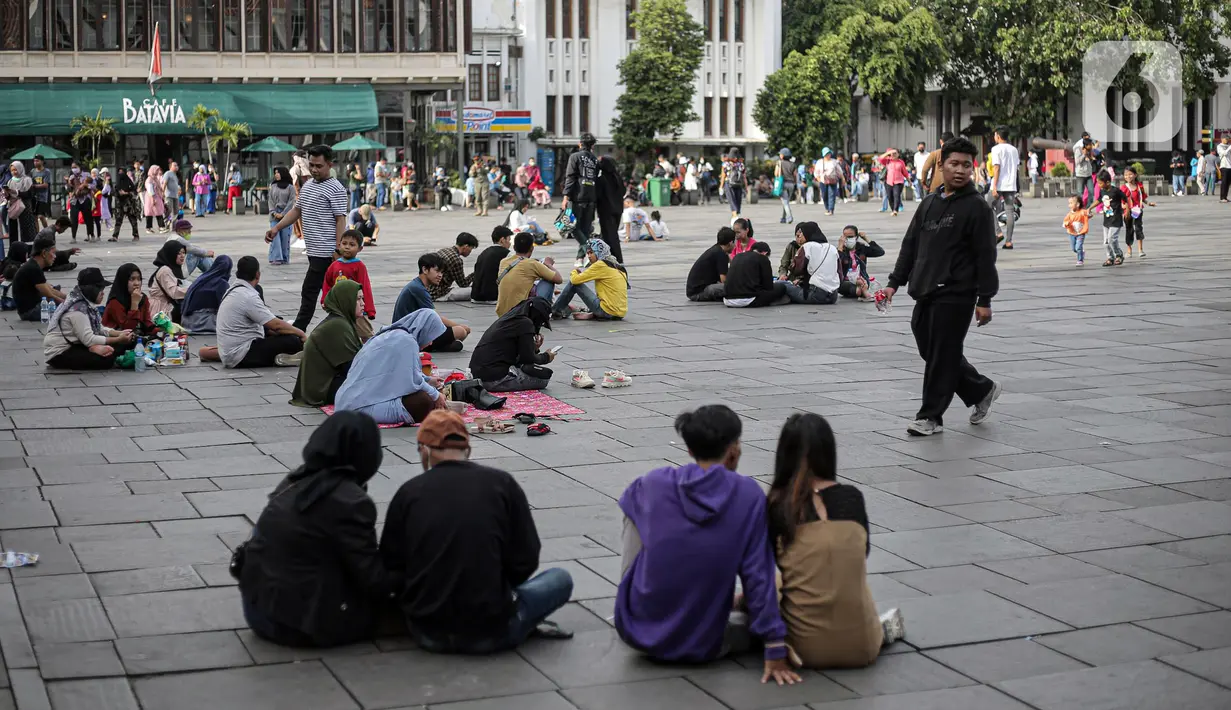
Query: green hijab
{"type": "Point", "coordinates": [329, 349]}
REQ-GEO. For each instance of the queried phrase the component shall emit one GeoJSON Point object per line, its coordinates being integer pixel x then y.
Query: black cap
{"type": "Point", "coordinates": [92, 276]}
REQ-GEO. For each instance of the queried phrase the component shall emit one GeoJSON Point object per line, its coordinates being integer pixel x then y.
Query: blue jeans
{"type": "Point", "coordinates": [1078, 243]}
{"type": "Point", "coordinates": [583, 291]}
{"type": "Point", "coordinates": [213, 200]}
{"type": "Point", "coordinates": [829, 195]}
{"type": "Point", "coordinates": [382, 193]}
{"type": "Point", "coordinates": [1177, 184]}
{"type": "Point", "coordinates": [537, 599]}
{"type": "Point", "coordinates": [202, 203]}
{"type": "Point", "coordinates": [192, 262]}
{"type": "Point", "coordinates": [280, 247]}
{"type": "Point", "coordinates": [787, 190]}
{"type": "Point", "coordinates": [543, 289]}
{"type": "Point", "coordinates": [917, 189]}
{"type": "Point", "coordinates": [356, 198]}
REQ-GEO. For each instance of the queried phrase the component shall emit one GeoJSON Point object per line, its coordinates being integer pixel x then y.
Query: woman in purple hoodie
{"type": "Point", "coordinates": [688, 533]}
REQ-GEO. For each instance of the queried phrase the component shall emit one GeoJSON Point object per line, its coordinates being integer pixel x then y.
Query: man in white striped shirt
{"type": "Point", "coordinates": [322, 206]}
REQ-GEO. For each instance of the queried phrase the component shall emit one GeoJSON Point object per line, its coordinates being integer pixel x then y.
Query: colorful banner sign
{"type": "Point", "coordinates": [483, 120]}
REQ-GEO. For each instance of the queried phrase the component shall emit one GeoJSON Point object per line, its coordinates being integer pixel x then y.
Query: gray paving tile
{"type": "Point", "coordinates": [113, 555]}
{"type": "Point", "coordinates": [1004, 660]}
{"type": "Point", "coordinates": [265, 652]}
{"type": "Point", "coordinates": [66, 620]}
{"type": "Point", "coordinates": [1129, 560]}
{"type": "Point", "coordinates": [970, 617]}
{"type": "Point", "coordinates": [1198, 519]}
{"type": "Point", "coordinates": [1209, 630]}
{"type": "Point", "coordinates": [1146, 685]}
{"type": "Point", "coordinates": [995, 511]}
{"type": "Point", "coordinates": [1108, 645]}
{"type": "Point", "coordinates": [1062, 480]}
{"type": "Point", "coordinates": [899, 673]}
{"type": "Point", "coordinates": [958, 545]}
{"type": "Point", "coordinates": [182, 652]}
{"type": "Point", "coordinates": [532, 701]}
{"type": "Point", "coordinates": [593, 658]}
{"type": "Point", "coordinates": [1213, 665]}
{"type": "Point", "coordinates": [977, 697]}
{"type": "Point", "coordinates": [740, 688]}
{"type": "Point", "coordinates": [176, 612]}
{"type": "Point", "coordinates": [412, 677]}
{"type": "Point", "coordinates": [15, 643]}
{"type": "Point", "coordinates": [571, 548]}
{"type": "Point", "coordinates": [666, 694]}
{"type": "Point", "coordinates": [208, 468]}
{"type": "Point", "coordinates": [149, 579]}
{"type": "Point", "coordinates": [29, 692]}
{"type": "Point", "coordinates": [1095, 601]}
{"type": "Point", "coordinates": [293, 686]}
{"type": "Point", "coordinates": [54, 588]}
{"type": "Point", "coordinates": [952, 491]}
{"type": "Point", "coordinates": [1167, 470]}
{"type": "Point", "coordinates": [1049, 568]}
{"type": "Point", "coordinates": [1147, 496]}
{"type": "Point", "coordinates": [77, 660]}
{"type": "Point", "coordinates": [1209, 583]}
{"type": "Point", "coordinates": [1082, 531]}
{"type": "Point", "coordinates": [26, 514]}
{"type": "Point", "coordinates": [948, 580]}
{"type": "Point", "coordinates": [160, 506]}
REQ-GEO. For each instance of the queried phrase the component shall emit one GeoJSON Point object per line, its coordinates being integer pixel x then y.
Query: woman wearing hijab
{"type": "Point", "coordinates": [126, 204]}
{"type": "Point", "coordinates": [330, 349]}
{"type": "Point", "coordinates": [386, 381]}
{"type": "Point", "coordinates": [311, 573]}
{"type": "Point", "coordinates": [814, 271]}
{"type": "Point", "coordinates": [155, 202]}
{"type": "Point", "coordinates": [76, 338]}
{"type": "Point", "coordinates": [19, 193]}
{"type": "Point", "coordinates": [200, 187]}
{"type": "Point", "coordinates": [104, 201]}
{"type": "Point", "coordinates": [204, 296]}
{"type": "Point", "coordinates": [608, 298]}
{"type": "Point", "coordinates": [610, 204]}
{"type": "Point", "coordinates": [281, 199]}
{"type": "Point", "coordinates": [507, 358]}
{"type": "Point", "coordinates": [127, 307]}
{"type": "Point", "coordinates": [166, 283]}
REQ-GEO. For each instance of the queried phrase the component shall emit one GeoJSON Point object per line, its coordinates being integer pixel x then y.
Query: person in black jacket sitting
{"type": "Point", "coordinates": [853, 253]}
{"type": "Point", "coordinates": [750, 280]}
{"type": "Point", "coordinates": [485, 288]}
{"type": "Point", "coordinates": [312, 573]}
{"type": "Point", "coordinates": [507, 358]}
{"type": "Point", "coordinates": [463, 538]}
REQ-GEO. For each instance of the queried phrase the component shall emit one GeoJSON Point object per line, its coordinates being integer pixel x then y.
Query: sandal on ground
{"type": "Point", "coordinates": [524, 417]}
{"type": "Point", "coordinates": [1109, 262]}
{"type": "Point", "coordinates": [551, 630]}
{"type": "Point", "coordinates": [1119, 260]}
{"type": "Point", "coordinates": [487, 425]}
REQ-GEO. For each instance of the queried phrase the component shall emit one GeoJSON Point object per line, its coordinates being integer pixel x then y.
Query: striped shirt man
{"type": "Point", "coordinates": [320, 205]}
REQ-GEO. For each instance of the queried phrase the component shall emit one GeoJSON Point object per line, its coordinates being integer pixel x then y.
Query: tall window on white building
{"type": "Point", "coordinates": [583, 19]}
{"type": "Point", "coordinates": [550, 17]}
{"type": "Point", "coordinates": [568, 116]}
{"type": "Point", "coordinates": [630, 6]}
{"type": "Point", "coordinates": [583, 109]}
{"type": "Point", "coordinates": [723, 10]}
{"type": "Point", "coordinates": [724, 106]}
{"type": "Point", "coordinates": [739, 21]}
{"type": "Point", "coordinates": [739, 116]}
{"type": "Point", "coordinates": [493, 82]}
{"type": "Point", "coordinates": [566, 18]}
{"type": "Point", "coordinates": [550, 120]}
{"type": "Point", "coordinates": [99, 25]}
{"type": "Point", "coordinates": [474, 82]}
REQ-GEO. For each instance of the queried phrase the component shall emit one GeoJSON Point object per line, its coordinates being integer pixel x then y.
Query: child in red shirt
{"type": "Point", "coordinates": [348, 266]}
{"type": "Point", "coordinates": [1134, 206]}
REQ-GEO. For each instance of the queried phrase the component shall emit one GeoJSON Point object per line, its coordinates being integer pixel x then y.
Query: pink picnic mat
{"type": "Point", "coordinates": [536, 402]}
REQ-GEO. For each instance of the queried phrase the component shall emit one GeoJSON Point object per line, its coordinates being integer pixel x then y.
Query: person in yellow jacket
{"type": "Point", "coordinates": [607, 299]}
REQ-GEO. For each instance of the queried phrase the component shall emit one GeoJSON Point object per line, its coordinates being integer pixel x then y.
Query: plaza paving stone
{"type": "Point", "coordinates": [1072, 552]}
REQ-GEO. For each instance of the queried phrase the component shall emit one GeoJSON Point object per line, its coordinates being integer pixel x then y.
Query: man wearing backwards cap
{"type": "Point", "coordinates": [463, 536]}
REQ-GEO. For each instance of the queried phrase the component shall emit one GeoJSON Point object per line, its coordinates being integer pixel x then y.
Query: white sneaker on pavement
{"type": "Point", "coordinates": [892, 626]}
{"type": "Point", "coordinates": [582, 380]}
{"type": "Point", "coordinates": [285, 360]}
{"type": "Point", "coordinates": [616, 378]}
{"type": "Point", "coordinates": [983, 408]}
{"type": "Point", "coordinates": [924, 427]}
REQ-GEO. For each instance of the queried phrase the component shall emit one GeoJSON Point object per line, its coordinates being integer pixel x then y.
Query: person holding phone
{"type": "Point", "coordinates": [508, 357]}
{"type": "Point", "coordinates": [948, 257]}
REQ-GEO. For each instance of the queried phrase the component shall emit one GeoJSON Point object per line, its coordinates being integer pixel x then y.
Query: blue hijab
{"type": "Point", "coordinates": [208, 290]}
{"type": "Point", "coordinates": [387, 366]}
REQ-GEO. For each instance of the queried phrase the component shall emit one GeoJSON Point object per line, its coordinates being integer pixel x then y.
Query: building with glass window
{"type": "Point", "coordinates": [302, 70]}
{"type": "Point", "coordinates": [572, 47]}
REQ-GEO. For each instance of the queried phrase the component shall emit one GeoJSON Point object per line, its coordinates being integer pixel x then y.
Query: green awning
{"type": "Point", "coordinates": [280, 109]}
{"type": "Point", "coordinates": [39, 149]}
{"type": "Point", "coordinates": [272, 144]}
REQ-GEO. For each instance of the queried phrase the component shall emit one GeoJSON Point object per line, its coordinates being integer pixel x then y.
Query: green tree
{"type": "Point", "coordinates": [93, 129]}
{"type": "Point", "coordinates": [659, 76]}
{"type": "Point", "coordinates": [1019, 61]}
{"type": "Point", "coordinates": [228, 134]}
{"type": "Point", "coordinates": [804, 105]}
{"type": "Point", "coordinates": [202, 119]}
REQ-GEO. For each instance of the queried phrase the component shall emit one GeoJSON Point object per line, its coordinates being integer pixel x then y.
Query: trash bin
{"type": "Point", "coordinates": [660, 192]}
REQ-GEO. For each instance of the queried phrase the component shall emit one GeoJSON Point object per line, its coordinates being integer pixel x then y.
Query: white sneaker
{"type": "Point", "coordinates": [924, 427]}
{"type": "Point", "coordinates": [582, 380]}
{"type": "Point", "coordinates": [616, 378]}
{"type": "Point", "coordinates": [284, 360]}
{"type": "Point", "coordinates": [982, 408]}
{"type": "Point", "coordinates": [892, 626]}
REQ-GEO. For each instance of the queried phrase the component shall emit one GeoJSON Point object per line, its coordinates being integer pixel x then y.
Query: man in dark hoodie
{"type": "Point", "coordinates": [948, 257]}
{"type": "Point", "coordinates": [688, 533]}
{"type": "Point", "coordinates": [750, 281]}
{"type": "Point", "coordinates": [581, 190]}
{"type": "Point", "coordinates": [610, 204]}
{"type": "Point", "coordinates": [507, 358]}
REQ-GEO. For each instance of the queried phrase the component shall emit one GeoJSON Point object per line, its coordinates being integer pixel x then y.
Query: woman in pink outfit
{"type": "Point", "coordinates": [539, 191]}
{"type": "Point", "coordinates": [155, 201]}
{"type": "Point", "coordinates": [895, 178]}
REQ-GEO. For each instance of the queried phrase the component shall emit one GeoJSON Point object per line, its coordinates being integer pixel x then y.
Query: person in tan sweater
{"type": "Point", "coordinates": [930, 175]}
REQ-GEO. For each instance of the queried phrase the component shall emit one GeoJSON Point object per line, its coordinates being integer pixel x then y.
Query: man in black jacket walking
{"type": "Point", "coordinates": [948, 257]}
{"type": "Point", "coordinates": [581, 190]}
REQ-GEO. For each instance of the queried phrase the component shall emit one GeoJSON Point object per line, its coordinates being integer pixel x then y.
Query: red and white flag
{"type": "Point", "coordinates": [155, 60]}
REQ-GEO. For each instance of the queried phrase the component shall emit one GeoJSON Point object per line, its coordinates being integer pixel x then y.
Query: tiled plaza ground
{"type": "Point", "coordinates": [1072, 552]}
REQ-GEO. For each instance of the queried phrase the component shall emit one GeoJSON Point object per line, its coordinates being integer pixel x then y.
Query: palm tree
{"type": "Point", "coordinates": [229, 134]}
{"type": "Point", "coordinates": [94, 129]}
{"type": "Point", "coordinates": [201, 119]}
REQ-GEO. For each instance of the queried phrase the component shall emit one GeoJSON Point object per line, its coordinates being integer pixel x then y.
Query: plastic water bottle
{"type": "Point", "coordinates": [139, 354]}
{"type": "Point", "coordinates": [45, 312]}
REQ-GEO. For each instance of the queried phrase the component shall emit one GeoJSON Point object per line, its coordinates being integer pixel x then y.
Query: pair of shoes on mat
{"type": "Point", "coordinates": [611, 378]}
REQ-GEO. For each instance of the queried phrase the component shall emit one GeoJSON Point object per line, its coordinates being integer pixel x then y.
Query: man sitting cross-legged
{"type": "Point", "coordinates": [708, 276]}
{"type": "Point", "coordinates": [416, 295]}
{"type": "Point", "coordinates": [750, 281]}
{"type": "Point", "coordinates": [249, 334]}
{"type": "Point", "coordinates": [464, 539]}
